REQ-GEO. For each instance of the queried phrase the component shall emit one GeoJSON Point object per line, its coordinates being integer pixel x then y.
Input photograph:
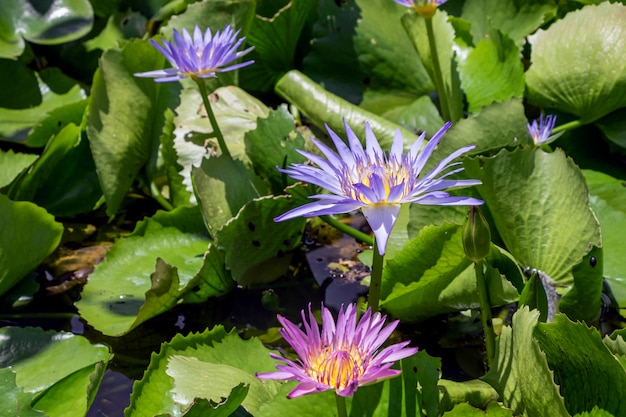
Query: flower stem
{"type": "Point", "coordinates": [375, 278]}
{"type": "Point", "coordinates": [443, 97]}
{"type": "Point", "coordinates": [567, 126]}
{"type": "Point", "coordinates": [350, 231]}
{"type": "Point", "coordinates": [216, 129]}
{"type": "Point", "coordinates": [156, 194]}
{"type": "Point", "coordinates": [485, 312]}
{"type": "Point", "coordinates": [341, 406]}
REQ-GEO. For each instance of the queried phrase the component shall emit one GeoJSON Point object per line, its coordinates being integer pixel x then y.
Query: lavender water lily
{"type": "Point", "coordinates": [378, 183]}
{"type": "Point", "coordinates": [199, 57]}
{"type": "Point", "coordinates": [202, 56]}
{"type": "Point", "coordinates": [541, 130]}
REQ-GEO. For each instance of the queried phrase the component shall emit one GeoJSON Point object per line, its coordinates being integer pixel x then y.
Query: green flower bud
{"type": "Point", "coordinates": [476, 235]}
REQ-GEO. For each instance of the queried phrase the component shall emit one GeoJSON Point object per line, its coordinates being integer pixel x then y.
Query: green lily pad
{"type": "Point", "coordinates": [54, 122]}
{"type": "Point", "coordinates": [258, 249]}
{"type": "Point", "coordinates": [319, 405]}
{"type": "Point", "coordinates": [126, 117]}
{"type": "Point", "coordinates": [12, 164]}
{"type": "Point", "coordinates": [520, 371]}
{"type": "Point", "coordinates": [48, 23]}
{"type": "Point", "coordinates": [223, 186]}
{"type": "Point", "coordinates": [516, 19]}
{"type": "Point", "coordinates": [570, 69]}
{"type": "Point", "coordinates": [492, 71]}
{"type": "Point", "coordinates": [420, 115]}
{"type": "Point", "coordinates": [194, 378]}
{"type": "Point", "coordinates": [540, 207]}
{"type": "Point", "coordinates": [466, 410]}
{"type": "Point", "coordinates": [332, 60]}
{"type": "Point", "coordinates": [29, 235]}
{"type": "Point", "coordinates": [167, 386]}
{"type": "Point", "coordinates": [15, 400]}
{"type": "Point", "coordinates": [607, 196]}
{"type": "Point", "coordinates": [141, 291]}
{"type": "Point", "coordinates": [276, 41]}
{"type": "Point", "coordinates": [614, 127]}
{"type": "Point", "coordinates": [62, 369]}
{"type": "Point", "coordinates": [228, 405]}
{"type": "Point", "coordinates": [588, 375]}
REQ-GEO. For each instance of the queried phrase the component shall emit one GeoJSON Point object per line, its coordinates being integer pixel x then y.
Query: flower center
{"type": "Point", "coordinates": [388, 180]}
{"type": "Point", "coordinates": [337, 368]}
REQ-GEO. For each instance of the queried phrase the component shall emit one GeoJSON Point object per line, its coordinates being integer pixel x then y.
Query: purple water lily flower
{"type": "Point", "coordinates": [201, 56]}
{"type": "Point", "coordinates": [426, 8]}
{"type": "Point", "coordinates": [377, 182]}
{"type": "Point", "coordinates": [417, 3]}
{"type": "Point", "coordinates": [540, 131]}
{"type": "Point", "coordinates": [341, 357]}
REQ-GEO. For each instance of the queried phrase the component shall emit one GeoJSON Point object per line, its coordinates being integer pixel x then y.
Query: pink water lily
{"type": "Point", "coordinates": [342, 357]}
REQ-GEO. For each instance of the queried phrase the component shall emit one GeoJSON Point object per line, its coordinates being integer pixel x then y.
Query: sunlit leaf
{"type": "Point", "coordinates": [116, 309]}
{"type": "Point", "coordinates": [12, 164]}
{"type": "Point", "coordinates": [520, 371]}
{"type": "Point", "coordinates": [215, 15]}
{"type": "Point", "coordinates": [540, 206]}
{"type": "Point", "coordinates": [224, 408]}
{"type": "Point", "coordinates": [588, 375]}
{"type": "Point", "coordinates": [46, 23]}
{"type": "Point", "coordinates": [162, 390]}
{"type": "Point", "coordinates": [126, 117]}
{"type": "Point", "coordinates": [516, 19]}
{"type": "Point", "coordinates": [433, 272]}
{"type": "Point", "coordinates": [570, 69]}
{"type": "Point", "coordinates": [63, 369]}
{"type": "Point", "coordinates": [473, 392]}
{"type": "Point", "coordinates": [54, 122]}
{"type": "Point", "coordinates": [466, 410]}
{"type": "Point", "coordinates": [319, 405]}
{"type": "Point", "coordinates": [257, 248]}
{"type": "Point", "coordinates": [379, 40]}
{"type": "Point", "coordinates": [194, 378]}
{"type": "Point", "coordinates": [223, 186]}
{"type": "Point", "coordinates": [492, 71]}
{"type": "Point", "coordinates": [29, 234]}
{"type": "Point", "coordinates": [486, 131]}
{"type": "Point", "coordinates": [15, 401]}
